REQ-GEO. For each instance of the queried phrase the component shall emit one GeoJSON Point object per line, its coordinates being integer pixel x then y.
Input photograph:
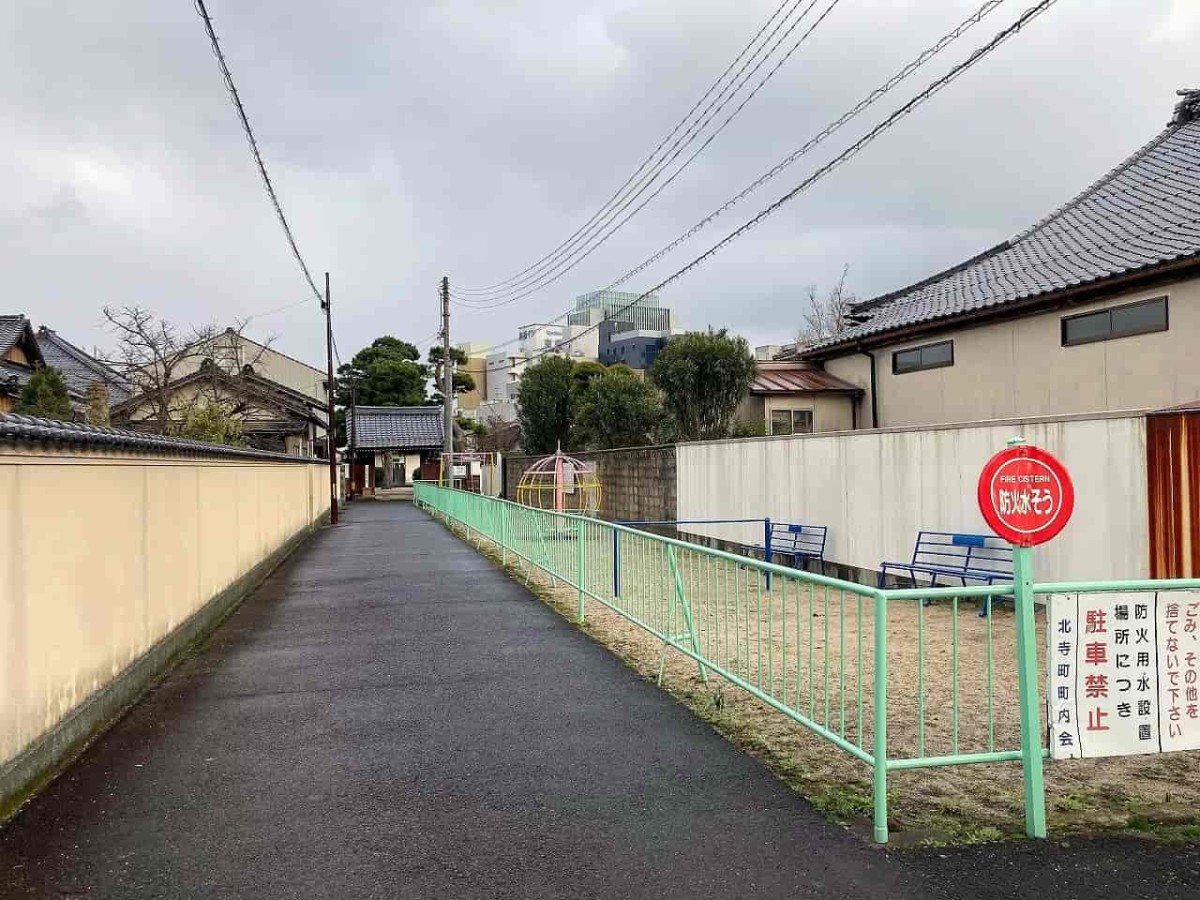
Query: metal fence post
{"type": "Point", "coordinates": [616, 563]}
{"type": "Point", "coordinates": [767, 547]}
{"type": "Point", "coordinates": [879, 761]}
{"type": "Point", "coordinates": [582, 563]}
{"type": "Point", "coordinates": [1027, 690]}
{"type": "Point", "coordinates": [503, 535]}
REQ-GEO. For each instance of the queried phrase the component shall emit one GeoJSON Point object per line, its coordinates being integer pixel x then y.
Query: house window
{"type": "Point", "coordinates": [929, 356]}
{"type": "Point", "coordinates": [1145, 317]}
{"type": "Point", "coordinates": [791, 421]}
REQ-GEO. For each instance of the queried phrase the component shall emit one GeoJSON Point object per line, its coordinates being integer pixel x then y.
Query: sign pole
{"type": "Point", "coordinates": [1027, 688]}
{"type": "Point", "coordinates": [1027, 497]}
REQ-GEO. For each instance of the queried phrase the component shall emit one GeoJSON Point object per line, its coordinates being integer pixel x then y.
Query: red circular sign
{"type": "Point", "coordinates": [1026, 495]}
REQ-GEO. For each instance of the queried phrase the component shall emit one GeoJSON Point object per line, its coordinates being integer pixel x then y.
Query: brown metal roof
{"type": "Point", "coordinates": [1193, 406]}
{"type": "Point", "coordinates": [797, 378]}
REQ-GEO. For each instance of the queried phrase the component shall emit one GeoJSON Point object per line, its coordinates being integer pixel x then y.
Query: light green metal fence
{"type": "Point", "coordinates": [874, 672]}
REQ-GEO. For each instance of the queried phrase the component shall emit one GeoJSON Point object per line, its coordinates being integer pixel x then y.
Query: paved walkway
{"type": "Point", "coordinates": [390, 716]}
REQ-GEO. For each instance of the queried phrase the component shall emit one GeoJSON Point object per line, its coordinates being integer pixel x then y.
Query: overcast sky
{"type": "Point", "coordinates": [409, 140]}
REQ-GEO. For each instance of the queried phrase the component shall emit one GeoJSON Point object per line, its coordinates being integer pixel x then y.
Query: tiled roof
{"type": "Point", "coordinates": [11, 328]}
{"type": "Point", "coordinates": [31, 430]}
{"type": "Point", "coordinates": [1142, 215]}
{"type": "Point", "coordinates": [396, 427]}
{"type": "Point", "coordinates": [13, 375]}
{"type": "Point", "coordinates": [78, 368]}
{"type": "Point", "coordinates": [793, 378]}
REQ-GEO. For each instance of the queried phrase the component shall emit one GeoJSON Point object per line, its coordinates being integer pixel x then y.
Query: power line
{"type": "Point", "coordinates": [811, 144]}
{"type": "Point", "coordinates": [853, 150]}
{"type": "Point", "coordinates": [262, 167]}
{"type": "Point", "coordinates": [654, 153]}
{"type": "Point", "coordinates": [277, 309]}
{"type": "Point", "coordinates": [623, 197]}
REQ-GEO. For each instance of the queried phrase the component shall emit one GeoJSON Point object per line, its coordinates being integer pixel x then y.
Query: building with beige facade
{"type": "Point", "coordinates": [799, 398]}
{"type": "Point", "coordinates": [1094, 309]}
{"type": "Point", "coordinates": [475, 366]}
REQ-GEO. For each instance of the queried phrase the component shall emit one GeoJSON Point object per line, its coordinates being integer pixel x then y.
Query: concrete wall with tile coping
{"type": "Point", "coordinates": [113, 560]}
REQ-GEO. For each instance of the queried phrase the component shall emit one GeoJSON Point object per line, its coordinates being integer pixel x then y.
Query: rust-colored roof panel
{"type": "Point", "coordinates": [798, 379]}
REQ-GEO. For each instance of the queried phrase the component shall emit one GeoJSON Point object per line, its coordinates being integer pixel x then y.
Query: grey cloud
{"type": "Point", "coordinates": [410, 139]}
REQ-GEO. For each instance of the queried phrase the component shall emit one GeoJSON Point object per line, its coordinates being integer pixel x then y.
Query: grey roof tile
{"type": "Point", "coordinates": [16, 429]}
{"type": "Point", "coordinates": [11, 329]}
{"type": "Point", "coordinates": [396, 427]}
{"type": "Point", "coordinates": [1140, 215]}
{"type": "Point", "coordinates": [12, 374]}
{"type": "Point", "coordinates": [80, 369]}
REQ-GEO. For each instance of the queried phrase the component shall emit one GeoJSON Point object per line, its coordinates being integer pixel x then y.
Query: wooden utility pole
{"type": "Point", "coordinates": [353, 431]}
{"type": "Point", "coordinates": [331, 429]}
{"type": "Point", "coordinates": [447, 389]}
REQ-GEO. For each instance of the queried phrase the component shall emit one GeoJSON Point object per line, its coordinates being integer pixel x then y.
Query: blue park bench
{"type": "Point", "coordinates": [983, 558]}
{"type": "Point", "coordinates": [794, 542]}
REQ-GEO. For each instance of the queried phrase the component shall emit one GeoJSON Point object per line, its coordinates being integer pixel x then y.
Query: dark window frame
{"type": "Point", "coordinates": [1112, 335]}
{"type": "Point", "coordinates": [808, 414]}
{"type": "Point", "coordinates": [922, 367]}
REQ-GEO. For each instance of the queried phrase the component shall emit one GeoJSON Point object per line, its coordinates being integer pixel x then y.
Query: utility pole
{"type": "Point", "coordinates": [331, 430]}
{"type": "Point", "coordinates": [353, 431]}
{"type": "Point", "coordinates": [447, 388]}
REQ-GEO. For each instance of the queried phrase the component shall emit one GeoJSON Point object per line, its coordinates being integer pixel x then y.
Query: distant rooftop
{"type": "Point", "coordinates": [396, 427]}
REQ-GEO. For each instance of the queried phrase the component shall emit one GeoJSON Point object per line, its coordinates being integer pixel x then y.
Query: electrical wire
{"type": "Point", "coordinates": [624, 197]}
{"type": "Point", "coordinates": [813, 143]}
{"type": "Point", "coordinates": [851, 151]}
{"type": "Point", "coordinates": [278, 309]}
{"type": "Point", "coordinates": [258, 159]}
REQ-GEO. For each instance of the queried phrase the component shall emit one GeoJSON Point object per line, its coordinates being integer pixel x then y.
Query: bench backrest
{"type": "Point", "coordinates": [978, 552]}
{"type": "Point", "coordinates": [791, 538]}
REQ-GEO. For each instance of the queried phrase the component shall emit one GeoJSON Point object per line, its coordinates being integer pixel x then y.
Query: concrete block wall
{"type": "Point", "coordinates": [638, 483]}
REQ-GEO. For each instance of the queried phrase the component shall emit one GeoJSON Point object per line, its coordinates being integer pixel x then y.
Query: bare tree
{"type": "Point", "coordinates": [829, 315]}
{"type": "Point", "coordinates": [153, 355]}
{"type": "Point", "coordinates": [500, 436]}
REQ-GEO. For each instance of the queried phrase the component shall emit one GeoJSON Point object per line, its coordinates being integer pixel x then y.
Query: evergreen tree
{"type": "Point", "coordinates": [46, 396]}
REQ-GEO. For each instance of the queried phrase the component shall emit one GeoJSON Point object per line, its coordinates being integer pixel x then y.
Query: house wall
{"type": "Point", "coordinates": [17, 354]}
{"type": "Point", "coordinates": [876, 489]}
{"type": "Point", "coordinates": [831, 412]}
{"type": "Point", "coordinates": [1020, 368]}
{"type": "Point", "coordinates": [111, 561]}
{"type": "Point", "coordinates": [7, 404]}
{"type": "Point", "coordinates": [270, 364]}
{"type": "Point", "coordinates": [297, 436]}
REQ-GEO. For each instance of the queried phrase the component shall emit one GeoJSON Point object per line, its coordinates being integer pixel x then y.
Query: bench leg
{"type": "Point", "coordinates": [932, 583]}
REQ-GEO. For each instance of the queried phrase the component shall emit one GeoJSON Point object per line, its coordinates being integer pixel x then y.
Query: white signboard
{"type": "Point", "coordinates": [459, 471]}
{"type": "Point", "coordinates": [1124, 673]}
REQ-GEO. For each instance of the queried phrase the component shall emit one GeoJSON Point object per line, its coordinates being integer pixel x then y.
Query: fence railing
{"type": "Point", "coordinates": [819, 650]}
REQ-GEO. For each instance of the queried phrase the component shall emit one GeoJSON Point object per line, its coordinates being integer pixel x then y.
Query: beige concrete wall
{"type": "Point", "coordinates": [1020, 368]}
{"type": "Point", "coordinates": [476, 367]}
{"type": "Point", "coordinates": [876, 489]}
{"type": "Point", "coordinates": [103, 555]}
{"type": "Point", "coordinates": [267, 362]}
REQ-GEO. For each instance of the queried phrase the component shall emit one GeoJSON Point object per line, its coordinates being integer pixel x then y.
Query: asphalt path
{"type": "Point", "coordinates": [389, 715]}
